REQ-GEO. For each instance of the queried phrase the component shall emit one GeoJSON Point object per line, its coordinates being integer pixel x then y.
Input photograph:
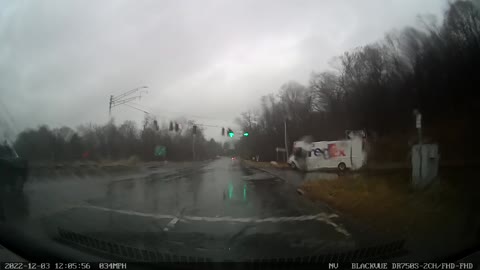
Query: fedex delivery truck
{"type": "Point", "coordinates": [341, 155]}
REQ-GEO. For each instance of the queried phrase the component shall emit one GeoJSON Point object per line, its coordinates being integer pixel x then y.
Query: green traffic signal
{"type": "Point", "coordinates": [245, 134]}
{"type": "Point", "coordinates": [230, 133]}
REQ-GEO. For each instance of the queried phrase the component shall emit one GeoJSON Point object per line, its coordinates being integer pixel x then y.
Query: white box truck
{"type": "Point", "coordinates": [343, 154]}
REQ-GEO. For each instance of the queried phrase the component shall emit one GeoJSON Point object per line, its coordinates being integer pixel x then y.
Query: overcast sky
{"type": "Point", "coordinates": [60, 60]}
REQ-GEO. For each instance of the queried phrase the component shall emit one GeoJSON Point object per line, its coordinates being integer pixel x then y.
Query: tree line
{"type": "Point", "coordinates": [114, 142]}
{"type": "Point", "coordinates": [433, 68]}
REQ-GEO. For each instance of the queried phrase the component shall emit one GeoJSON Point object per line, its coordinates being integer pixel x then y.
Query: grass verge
{"type": "Point", "coordinates": [444, 214]}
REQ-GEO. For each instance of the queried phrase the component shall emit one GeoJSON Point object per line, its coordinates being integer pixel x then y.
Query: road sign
{"type": "Point", "coordinates": [160, 151]}
{"type": "Point", "coordinates": [419, 121]}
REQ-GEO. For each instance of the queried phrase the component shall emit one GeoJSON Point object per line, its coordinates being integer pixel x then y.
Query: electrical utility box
{"type": "Point", "coordinates": [425, 163]}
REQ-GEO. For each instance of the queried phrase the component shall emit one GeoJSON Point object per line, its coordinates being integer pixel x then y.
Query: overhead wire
{"type": "Point", "coordinates": [181, 113]}
{"type": "Point", "coordinates": [128, 101]}
{"type": "Point", "coordinates": [192, 116]}
{"type": "Point", "coordinates": [197, 124]}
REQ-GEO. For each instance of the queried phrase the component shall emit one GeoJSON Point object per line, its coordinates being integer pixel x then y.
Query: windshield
{"type": "Point", "coordinates": [313, 131]}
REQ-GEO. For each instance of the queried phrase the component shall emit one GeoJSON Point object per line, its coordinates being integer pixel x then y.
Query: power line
{"type": "Point", "coordinates": [128, 93]}
{"type": "Point", "coordinates": [124, 101]}
{"type": "Point", "coordinates": [123, 98]}
{"type": "Point", "coordinates": [205, 125]}
{"type": "Point", "coordinates": [198, 124]}
{"type": "Point", "coordinates": [181, 113]}
{"type": "Point", "coordinates": [126, 104]}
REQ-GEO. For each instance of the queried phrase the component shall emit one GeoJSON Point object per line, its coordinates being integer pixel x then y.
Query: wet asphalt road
{"type": "Point", "coordinates": [216, 209]}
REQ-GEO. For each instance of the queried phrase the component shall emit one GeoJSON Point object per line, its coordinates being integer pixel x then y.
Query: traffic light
{"type": "Point", "coordinates": [194, 130]}
{"type": "Point", "coordinates": [155, 124]}
{"type": "Point", "coordinates": [230, 133]}
{"type": "Point", "coordinates": [245, 134]}
{"type": "Point", "coordinates": [176, 127]}
{"type": "Point", "coordinates": [171, 126]}
{"type": "Point", "coordinates": [223, 131]}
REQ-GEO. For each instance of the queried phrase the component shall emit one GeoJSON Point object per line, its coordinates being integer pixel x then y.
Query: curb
{"type": "Point", "coordinates": [263, 170]}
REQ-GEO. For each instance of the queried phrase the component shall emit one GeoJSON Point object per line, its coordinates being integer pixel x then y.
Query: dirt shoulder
{"type": "Point", "coordinates": [263, 164]}
{"type": "Point", "coordinates": [444, 215]}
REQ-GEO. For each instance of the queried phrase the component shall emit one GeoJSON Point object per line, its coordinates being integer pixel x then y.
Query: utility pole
{"type": "Point", "coordinates": [418, 125]}
{"type": "Point", "coordinates": [110, 106]}
{"type": "Point", "coordinates": [123, 99]}
{"type": "Point", "coordinates": [286, 144]}
{"type": "Point", "coordinates": [193, 146]}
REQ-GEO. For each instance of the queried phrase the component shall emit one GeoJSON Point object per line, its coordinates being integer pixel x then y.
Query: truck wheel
{"type": "Point", "coordinates": [342, 167]}
{"type": "Point", "coordinates": [293, 166]}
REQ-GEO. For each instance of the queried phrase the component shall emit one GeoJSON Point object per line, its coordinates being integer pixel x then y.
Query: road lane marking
{"type": "Point", "coordinates": [171, 224]}
{"type": "Point", "coordinates": [128, 212]}
{"type": "Point", "coordinates": [322, 217]}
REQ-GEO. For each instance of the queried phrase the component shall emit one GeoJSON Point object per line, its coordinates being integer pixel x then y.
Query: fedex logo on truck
{"type": "Point", "coordinates": [332, 151]}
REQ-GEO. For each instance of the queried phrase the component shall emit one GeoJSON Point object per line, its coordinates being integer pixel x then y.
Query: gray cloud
{"type": "Point", "coordinates": [60, 60]}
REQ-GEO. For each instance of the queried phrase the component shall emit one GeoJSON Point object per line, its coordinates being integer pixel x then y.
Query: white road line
{"type": "Point", "coordinates": [128, 212]}
{"type": "Point", "coordinates": [171, 224]}
{"type": "Point", "coordinates": [323, 217]}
